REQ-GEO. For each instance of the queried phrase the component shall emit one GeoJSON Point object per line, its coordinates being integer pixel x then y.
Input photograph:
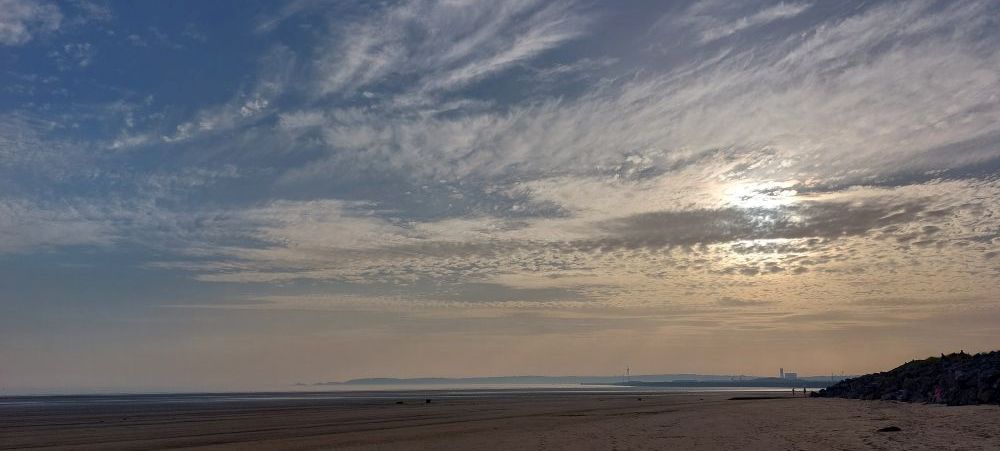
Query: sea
{"type": "Point", "coordinates": [360, 393]}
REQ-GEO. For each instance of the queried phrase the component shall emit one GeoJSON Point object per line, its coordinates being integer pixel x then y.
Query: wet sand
{"type": "Point", "coordinates": [572, 421]}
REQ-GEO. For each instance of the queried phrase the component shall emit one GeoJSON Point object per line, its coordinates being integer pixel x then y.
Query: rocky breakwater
{"type": "Point", "coordinates": [954, 379]}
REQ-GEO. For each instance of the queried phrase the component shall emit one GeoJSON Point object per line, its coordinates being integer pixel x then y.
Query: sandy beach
{"type": "Point", "coordinates": [549, 421]}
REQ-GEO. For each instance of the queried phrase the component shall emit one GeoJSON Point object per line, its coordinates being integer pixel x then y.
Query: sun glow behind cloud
{"type": "Point", "coordinates": [760, 195]}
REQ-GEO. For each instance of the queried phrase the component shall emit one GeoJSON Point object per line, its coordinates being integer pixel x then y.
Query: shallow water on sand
{"type": "Point", "coordinates": [363, 393]}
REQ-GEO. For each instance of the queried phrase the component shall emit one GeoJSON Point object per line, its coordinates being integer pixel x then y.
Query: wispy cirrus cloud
{"type": "Point", "coordinates": [713, 28]}
{"type": "Point", "coordinates": [443, 46]}
{"type": "Point", "coordinates": [23, 20]}
{"type": "Point", "coordinates": [29, 227]}
{"type": "Point", "coordinates": [782, 97]}
{"type": "Point", "coordinates": [685, 138]}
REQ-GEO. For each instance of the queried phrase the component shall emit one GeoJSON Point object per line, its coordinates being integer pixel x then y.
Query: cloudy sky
{"type": "Point", "coordinates": [231, 195]}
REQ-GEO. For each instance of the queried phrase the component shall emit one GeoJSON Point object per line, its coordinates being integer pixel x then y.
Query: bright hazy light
{"type": "Point", "coordinates": [766, 195]}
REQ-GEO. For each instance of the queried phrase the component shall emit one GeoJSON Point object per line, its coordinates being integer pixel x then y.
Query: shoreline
{"type": "Point", "coordinates": [384, 392]}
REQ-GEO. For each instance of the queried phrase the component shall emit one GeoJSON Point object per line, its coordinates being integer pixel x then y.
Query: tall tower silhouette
{"type": "Point", "coordinates": [781, 373]}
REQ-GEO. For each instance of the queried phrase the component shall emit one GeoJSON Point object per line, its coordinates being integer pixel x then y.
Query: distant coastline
{"type": "Point", "coordinates": [758, 382]}
{"type": "Point", "coordinates": [639, 380]}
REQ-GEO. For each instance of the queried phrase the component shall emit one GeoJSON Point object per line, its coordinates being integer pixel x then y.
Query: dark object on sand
{"type": "Point", "coordinates": [399, 402]}
{"type": "Point", "coordinates": [953, 379]}
{"type": "Point", "coordinates": [640, 399]}
{"type": "Point", "coordinates": [889, 429]}
{"type": "Point", "coordinates": [427, 401]}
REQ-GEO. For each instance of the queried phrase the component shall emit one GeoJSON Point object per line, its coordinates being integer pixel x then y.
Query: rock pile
{"type": "Point", "coordinates": [953, 379]}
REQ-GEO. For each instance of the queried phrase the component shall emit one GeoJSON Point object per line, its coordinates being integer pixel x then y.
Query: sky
{"type": "Point", "coordinates": [236, 195]}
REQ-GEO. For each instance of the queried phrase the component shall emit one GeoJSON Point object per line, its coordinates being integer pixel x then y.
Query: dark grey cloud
{"type": "Point", "coordinates": [819, 220]}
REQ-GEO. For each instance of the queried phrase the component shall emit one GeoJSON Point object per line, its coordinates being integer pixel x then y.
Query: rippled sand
{"type": "Point", "coordinates": [575, 421]}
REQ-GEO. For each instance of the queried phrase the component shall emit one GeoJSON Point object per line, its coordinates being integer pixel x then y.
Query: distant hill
{"type": "Point", "coordinates": [953, 379]}
{"type": "Point", "coordinates": [512, 380]}
{"type": "Point", "coordinates": [773, 382]}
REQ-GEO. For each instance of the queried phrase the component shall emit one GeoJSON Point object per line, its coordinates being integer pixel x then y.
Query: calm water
{"type": "Point", "coordinates": [362, 393]}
